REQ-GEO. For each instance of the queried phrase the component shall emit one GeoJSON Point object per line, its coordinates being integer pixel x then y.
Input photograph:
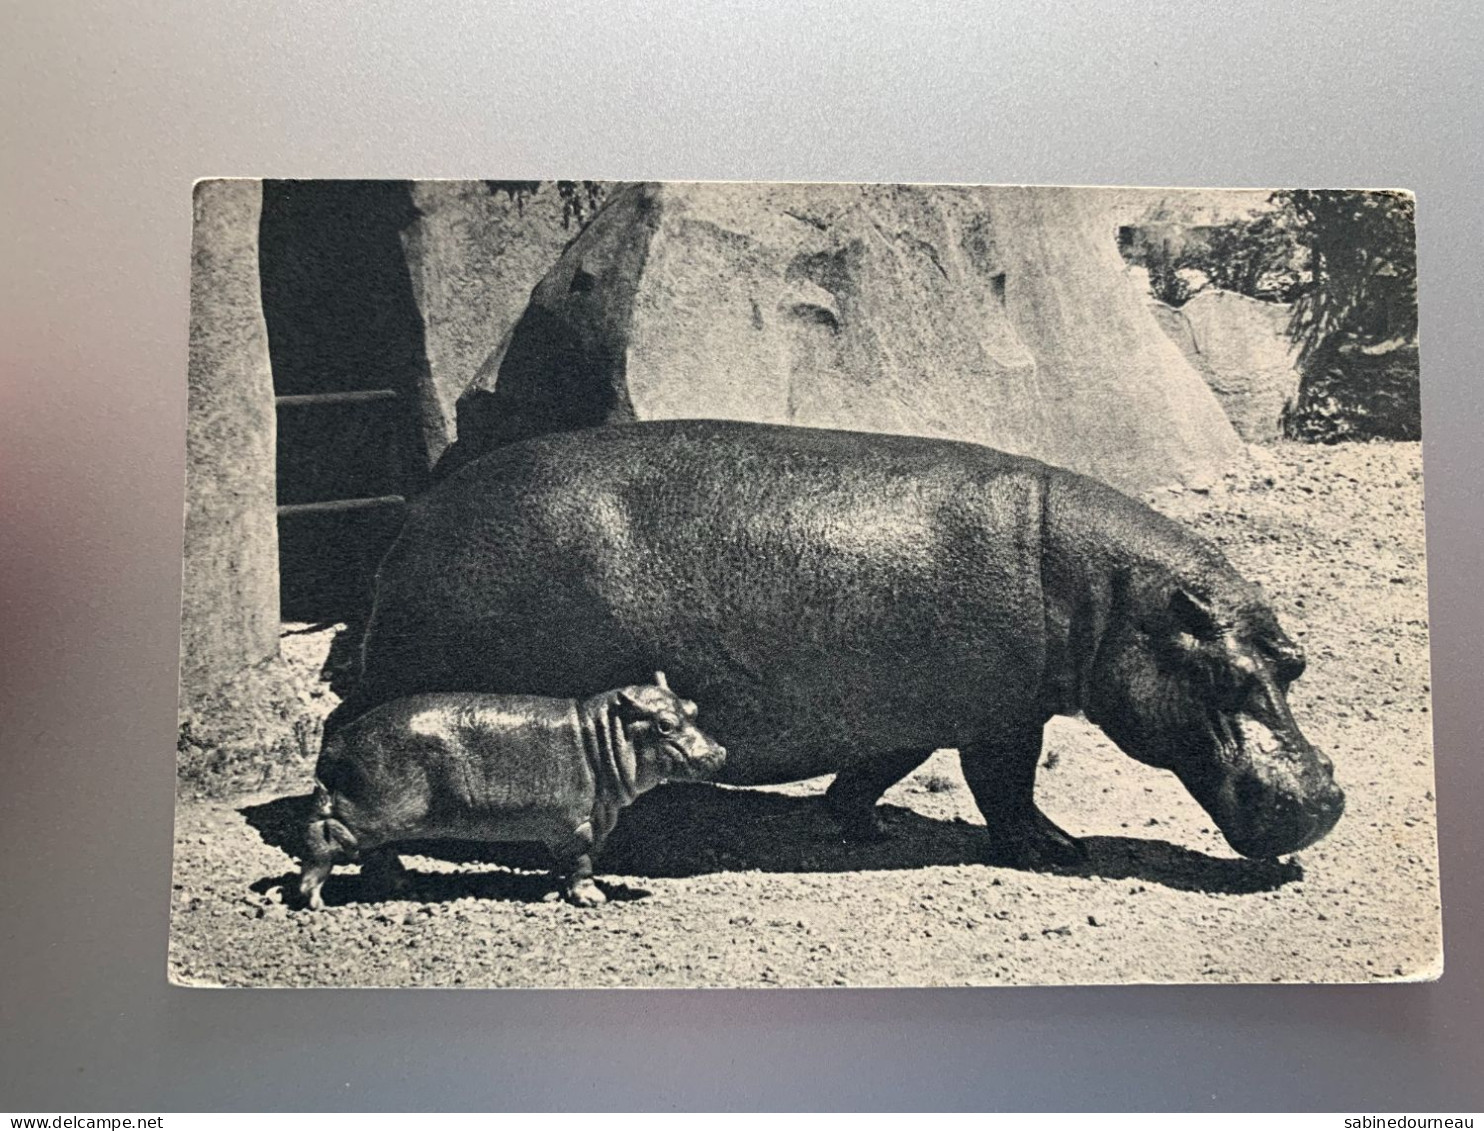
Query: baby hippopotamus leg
{"type": "Point", "coordinates": [575, 857]}
{"type": "Point", "coordinates": [574, 864]}
{"type": "Point", "coordinates": [635, 737]}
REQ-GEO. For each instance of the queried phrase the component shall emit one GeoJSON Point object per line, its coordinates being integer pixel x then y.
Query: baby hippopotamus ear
{"type": "Point", "coordinates": [642, 701]}
{"type": "Point", "coordinates": [652, 700]}
{"type": "Point", "coordinates": [687, 708]}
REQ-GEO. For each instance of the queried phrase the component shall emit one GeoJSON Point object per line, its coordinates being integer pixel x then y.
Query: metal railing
{"type": "Point", "coordinates": [339, 506]}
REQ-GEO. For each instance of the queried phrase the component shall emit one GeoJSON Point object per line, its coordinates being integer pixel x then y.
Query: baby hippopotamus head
{"type": "Point", "coordinates": [662, 728]}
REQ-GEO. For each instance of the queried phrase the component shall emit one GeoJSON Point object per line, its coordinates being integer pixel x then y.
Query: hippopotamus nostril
{"type": "Point", "coordinates": [1333, 804]}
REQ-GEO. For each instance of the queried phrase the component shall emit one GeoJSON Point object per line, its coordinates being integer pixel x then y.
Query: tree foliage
{"type": "Point", "coordinates": [1355, 322]}
{"type": "Point", "coordinates": [580, 199]}
{"type": "Point", "coordinates": [1347, 262]}
{"type": "Point", "coordinates": [1259, 256]}
{"type": "Point", "coordinates": [1362, 267]}
{"type": "Point", "coordinates": [1169, 280]}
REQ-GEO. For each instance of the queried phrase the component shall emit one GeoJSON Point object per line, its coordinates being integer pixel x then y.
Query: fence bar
{"type": "Point", "coordinates": [358, 396]}
{"type": "Point", "coordinates": [334, 506]}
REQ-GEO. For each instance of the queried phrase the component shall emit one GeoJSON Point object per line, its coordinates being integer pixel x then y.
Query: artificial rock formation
{"type": "Point", "coordinates": [1241, 347]}
{"type": "Point", "coordinates": [474, 253]}
{"type": "Point", "coordinates": [229, 611]}
{"type": "Point", "coordinates": [998, 315]}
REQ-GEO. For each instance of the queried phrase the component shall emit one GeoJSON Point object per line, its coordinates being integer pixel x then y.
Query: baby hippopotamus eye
{"type": "Point", "coordinates": [665, 725]}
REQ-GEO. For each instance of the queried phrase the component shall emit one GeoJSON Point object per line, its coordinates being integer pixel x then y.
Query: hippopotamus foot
{"type": "Point", "coordinates": [584, 893]}
{"type": "Point", "coordinates": [1033, 843]}
{"type": "Point", "coordinates": [577, 886]}
{"type": "Point", "coordinates": [383, 871]}
{"type": "Point", "coordinates": [852, 796]}
{"type": "Point", "coordinates": [310, 883]}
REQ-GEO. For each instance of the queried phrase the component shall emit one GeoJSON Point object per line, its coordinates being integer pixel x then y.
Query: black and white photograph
{"type": "Point", "coordinates": [726, 584]}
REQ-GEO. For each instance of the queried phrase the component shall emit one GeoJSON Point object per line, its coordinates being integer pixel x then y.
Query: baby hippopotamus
{"type": "Point", "coordinates": [479, 767]}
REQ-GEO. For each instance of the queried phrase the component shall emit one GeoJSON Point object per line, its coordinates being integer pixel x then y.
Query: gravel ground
{"type": "Point", "coordinates": [751, 887]}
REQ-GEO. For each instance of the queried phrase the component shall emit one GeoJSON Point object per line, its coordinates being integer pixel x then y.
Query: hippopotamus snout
{"type": "Point", "coordinates": [1278, 803]}
{"type": "Point", "coordinates": [702, 760]}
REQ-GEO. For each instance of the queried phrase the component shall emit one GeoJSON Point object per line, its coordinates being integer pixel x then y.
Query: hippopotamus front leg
{"type": "Point", "coordinates": [853, 794]}
{"type": "Point", "coordinates": [574, 861]}
{"type": "Point", "coordinates": [1002, 777]}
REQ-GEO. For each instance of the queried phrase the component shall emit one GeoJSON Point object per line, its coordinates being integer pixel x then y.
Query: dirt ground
{"type": "Point", "coordinates": [752, 887]}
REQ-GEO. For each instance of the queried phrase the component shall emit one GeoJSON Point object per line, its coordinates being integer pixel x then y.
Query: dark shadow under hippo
{"type": "Point", "coordinates": [847, 603]}
{"type": "Point", "coordinates": [691, 829]}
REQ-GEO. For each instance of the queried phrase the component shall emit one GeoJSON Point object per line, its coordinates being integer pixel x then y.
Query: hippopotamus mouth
{"type": "Point", "coordinates": [1270, 794]}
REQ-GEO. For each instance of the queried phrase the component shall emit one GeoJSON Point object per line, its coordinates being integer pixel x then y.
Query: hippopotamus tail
{"type": "Point", "coordinates": [342, 666]}
{"type": "Point", "coordinates": [327, 842]}
{"type": "Point", "coordinates": [326, 838]}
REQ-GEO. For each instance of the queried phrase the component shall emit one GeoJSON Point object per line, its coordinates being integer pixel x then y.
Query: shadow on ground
{"type": "Point", "coordinates": [344, 889]}
{"type": "Point", "coordinates": [690, 829]}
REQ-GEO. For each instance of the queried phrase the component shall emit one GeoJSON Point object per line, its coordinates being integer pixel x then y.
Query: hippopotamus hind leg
{"type": "Point", "coordinates": [853, 794]}
{"type": "Point", "coordinates": [1002, 778]}
{"type": "Point", "coordinates": [313, 878]}
{"type": "Point", "coordinates": [382, 870]}
{"type": "Point", "coordinates": [327, 842]}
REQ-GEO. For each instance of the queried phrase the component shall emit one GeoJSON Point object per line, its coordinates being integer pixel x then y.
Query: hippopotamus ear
{"type": "Point", "coordinates": [659, 681]}
{"type": "Point", "coordinates": [1193, 615]}
{"type": "Point", "coordinates": [631, 706]}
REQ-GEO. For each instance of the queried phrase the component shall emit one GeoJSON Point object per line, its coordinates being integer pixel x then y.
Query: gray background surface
{"type": "Point", "coordinates": [109, 113]}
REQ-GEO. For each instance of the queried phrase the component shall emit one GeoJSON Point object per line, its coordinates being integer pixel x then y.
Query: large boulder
{"type": "Point", "coordinates": [474, 252]}
{"type": "Point", "coordinates": [250, 706]}
{"type": "Point", "coordinates": [997, 315]}
{"type": "Point", "coordinates": [1241, 347]}
{"type": "Point", "coordinates": [229, 607]}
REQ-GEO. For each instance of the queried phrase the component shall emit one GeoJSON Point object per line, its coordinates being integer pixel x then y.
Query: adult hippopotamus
{"type": "Point", "coordinates": [847, 603]}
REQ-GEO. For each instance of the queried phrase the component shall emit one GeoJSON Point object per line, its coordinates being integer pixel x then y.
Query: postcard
{"type": "Point", "coordinates": [596, 584]}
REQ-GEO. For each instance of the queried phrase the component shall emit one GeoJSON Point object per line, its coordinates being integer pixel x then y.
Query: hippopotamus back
{"type": "Point", "coordinates": [782, 588]}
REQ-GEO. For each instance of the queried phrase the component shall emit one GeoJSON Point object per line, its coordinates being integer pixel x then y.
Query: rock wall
{"type": "Point", "coordinates": [229, 607]}
{"type": "Point", "coordinates": [1240, 346]}
{"type": "Point", "coordinates": [997, 315]}
{"type": "Point", "coordinates": [474, 254]}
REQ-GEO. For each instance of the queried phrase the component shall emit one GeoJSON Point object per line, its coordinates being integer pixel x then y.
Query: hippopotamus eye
{"type": "Point", "coordinates": [1288, 659]}
{"type": "Point", "coordinates": [664, 724]}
